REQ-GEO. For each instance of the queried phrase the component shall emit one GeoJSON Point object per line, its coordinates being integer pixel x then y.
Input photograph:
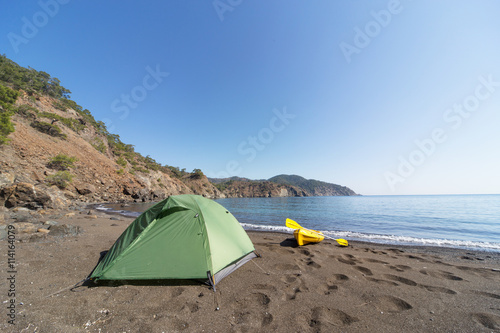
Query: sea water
{"type": "Point", "coordinates": [459, 221]}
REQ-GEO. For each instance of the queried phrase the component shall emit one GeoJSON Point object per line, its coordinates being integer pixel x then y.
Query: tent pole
{"type": "Point", "coordinates": [211, 280]}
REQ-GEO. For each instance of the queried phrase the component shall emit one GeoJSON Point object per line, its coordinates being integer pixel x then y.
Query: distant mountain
{"type": "Point", "coordinates": [225, 180]}
{"type": "Point", "coordinates": [278, 186]}
{"type": "Point", "coordinates": [312, 186]}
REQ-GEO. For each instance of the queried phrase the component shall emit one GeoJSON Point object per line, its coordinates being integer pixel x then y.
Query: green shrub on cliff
{"type": "Point", "coordinates": [175, 171]}
{"type": "Point", "coordinates": [196, 174]}
{"type": "Point", "coordinates": [74, 124]}
{"type": "Point", "coordinates": [30, 80]}
{"type": "Point", "coordinates": [7, 98]}
{"type": "Point", "coordinates": [27, 111]}
{"type": "Point", "coordinates": [117, 146]}
{"type": "Point", "coordinates": [60, 179]}
{"type": "Point", "coordinates": [99, 145]}
{"type": "Point", "coordinates": [62, 162]}
{"type": "Point", "coordinates": [121, 162]}
{"type": "Point", "coordinates": [47, 128]}
{"type": "Point", "coordinates": [224, 185]}
{"type": "Point", "coordinates": [6, 126]}
{"type": "Point", "coordinates": [59, 105]}
{"type": "Point", "coordinates": [140, 169]}
{"type": "Point", "coordinates": [151, 164]}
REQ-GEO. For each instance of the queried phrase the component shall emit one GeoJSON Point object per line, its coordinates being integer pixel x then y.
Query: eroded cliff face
{"type": "Point", "coordinates": [95, 175]}
{"type": "Point", "coordinates": [262, 189]}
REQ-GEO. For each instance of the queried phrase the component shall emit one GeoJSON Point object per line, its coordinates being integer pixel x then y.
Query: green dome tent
{"type": "Point", "coordinates": [182, 237]}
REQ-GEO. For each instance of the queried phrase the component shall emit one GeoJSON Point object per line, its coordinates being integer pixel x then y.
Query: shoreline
{"type": "Point", "coordinates": [375, 238]}
{"type": "Point", "coordinates": [366, 287]}
{"type": "Point", "coordinates": [449, 252]}
{"type": "Point", "coordinates": [444, 250]}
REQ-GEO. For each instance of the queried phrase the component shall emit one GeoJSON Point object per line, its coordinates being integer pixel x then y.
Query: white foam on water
{"type": "Point", "coordinates": [258, 227]}
{"type": "Point", "coordinates": [388, 239]}
{"type": "Point", "coordinates": [123, 212]}
{"type": "Point", "coordinates": [105, 209]}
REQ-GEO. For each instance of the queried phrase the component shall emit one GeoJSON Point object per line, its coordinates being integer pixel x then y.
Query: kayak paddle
{"type": "Point", "coordinates": [294, 225]}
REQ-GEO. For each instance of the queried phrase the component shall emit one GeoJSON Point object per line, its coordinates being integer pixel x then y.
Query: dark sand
{"type": "Point", "coordinates": [315, 288]}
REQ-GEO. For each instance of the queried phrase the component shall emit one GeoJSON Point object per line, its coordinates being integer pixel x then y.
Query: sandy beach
{"type": "Point", "coordinates": [315, 288]}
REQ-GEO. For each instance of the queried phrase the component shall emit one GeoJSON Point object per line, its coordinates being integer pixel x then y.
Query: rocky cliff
{"type": "Point", "coordinates": [313, 187]}
{"type": "Point", "coordinates": [260, 189]}
{"type": "Point", "coordinates": [279, 186]}
{"type": "Point", "coordinates": [29, 179]}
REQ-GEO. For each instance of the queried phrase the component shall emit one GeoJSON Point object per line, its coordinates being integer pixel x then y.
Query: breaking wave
{"type": "Point", "coordinates": [387, 239]}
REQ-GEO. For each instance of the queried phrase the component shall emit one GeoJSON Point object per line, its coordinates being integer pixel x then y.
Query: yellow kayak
{"type": "Point", "coordinates": [306, 236]}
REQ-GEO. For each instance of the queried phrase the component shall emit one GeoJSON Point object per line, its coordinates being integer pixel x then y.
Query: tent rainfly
{"type": "Point", "coordinates": [182, 237]}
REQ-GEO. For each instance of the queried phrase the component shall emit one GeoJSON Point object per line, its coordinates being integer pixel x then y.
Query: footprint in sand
{"type": "Point", "coordinates": [389, 283]}
{"type": "Point", "coordinates": [438, 289]}
{"type": "Point", "coordinates": [289, 278]}
{"type": "Point", "coordinates": [400, 279]}
{"type": "Point", "coordinates": [377, 252]}
{"type": "Point", "coordinates": [487, 320]}
{"type": "Point", "coordinates": [293, 295]}
{"type": "Point", "coordinates": [400, 268]}
{"type": "Point", "coordinates": [441, 275]}
{"type": "Point", "coordinates": [312, 263]}
{"type": "Point", "coordinates": [442, 263]}
{"type": "Point", "coordinates": [483, 272]}
{"type": "Point", "coordinates": [191, 307]}
{"type": "Point", "coordinates": [449, 276]}
{"type": "Point", "coordinates": [392, 304]}
{"type": "Point", "coordinates": [340, 277]}
{"type": "Point", "coordinates": [177, 291]}
{"type": "Point", "coordinates": [305, 252]}
{"type": "Point", "coordinates": [252, 320]}
{"type": "Point", "coordinates": [395, 251]}
{"type": "Point", "coordinates": [261, 299]}
{"type": "Point", "coordinates": [327, 288]}
{"type": "Point", "coordinates": [297, 285]}
{"type": "Point", "coordinates": [406, 268]}
{"type": "Point", "coordinates": [396, 269]}
{"type": "Point", "coordinates": [240, 318]}
{"type": "Point", "coordinates": [363, 270]}
{"type": "Point", "coordinates": [347, 261]}
{"type": "Point", "coordinates": [267, 319]}
{"type": "Point", "coordinates": [410, 256]}
{"type": "Point", "coordinates": [483, 293]}
{"type": "Point", "coordinates": [323, 318]}
{"type": "Point", "coordinates": [376, 261]}
{"type": "Point", "coordinates": [331, 284]}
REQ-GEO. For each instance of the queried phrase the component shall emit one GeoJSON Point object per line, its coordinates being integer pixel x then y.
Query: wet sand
{"type": "Point", "coordinates": [321, 287]}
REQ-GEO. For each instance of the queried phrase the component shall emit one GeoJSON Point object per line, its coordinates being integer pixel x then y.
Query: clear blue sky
{"type": "Point", "coordinates": [385, 97]}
